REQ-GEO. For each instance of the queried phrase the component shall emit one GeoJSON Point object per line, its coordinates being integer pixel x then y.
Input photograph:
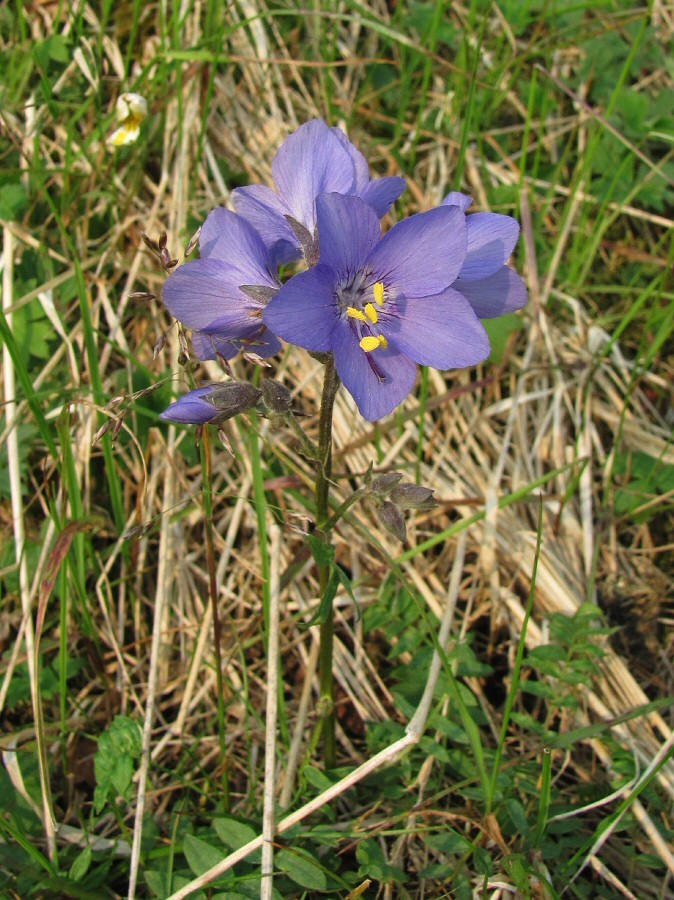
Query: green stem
{"type": "Point", "coordinates": [308, 446]}
{"type": "Point", "coordinates": [326, 709]}
{"type": "Point", "coordinates": [344, 507]}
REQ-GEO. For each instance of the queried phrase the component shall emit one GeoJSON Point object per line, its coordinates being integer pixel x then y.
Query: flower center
{"type": "Point", "coordinates": [363, 313]}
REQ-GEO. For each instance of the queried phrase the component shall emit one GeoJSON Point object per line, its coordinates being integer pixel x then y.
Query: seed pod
{"type": "Point", "coordinates": [255, 359]}
{"type": "Point", "coordinates": [194, 240]}
{"type": "Point", "coordinates": [101, 431]}
{"type": "Point", "coordinates": [412, 496]}
{"type": "Point", "coordinates": [117, 427]}
{"type": "Point", "coordinates": [276, 396]}
{"type": "Point", "coordinates": [149, 242]}
{"type": "Point", "coordinates": [183, 343]}
{"type": "Point", "coordinates": [232, 398]}
{"type": "Point", "coordinates": [224, 363]}
{"type": "Point", "coordinates": [159, 346]}
{"type": "Point", "coordinates": [392, 520]}
{"type": "Point", "coordinates": [384, 484]}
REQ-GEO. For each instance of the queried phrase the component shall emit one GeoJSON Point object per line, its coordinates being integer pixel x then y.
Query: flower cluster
{"type": "Point", "coordinates": [379, 304]}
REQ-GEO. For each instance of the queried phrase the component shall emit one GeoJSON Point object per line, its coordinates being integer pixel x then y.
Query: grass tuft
{"type": "Point", "coordinates": [535, 600]}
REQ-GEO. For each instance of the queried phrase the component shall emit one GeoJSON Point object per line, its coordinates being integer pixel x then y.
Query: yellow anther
{"type": "Point", "coordinates": [373, 342]}
{"type": "Point", "coordinates": [369, 343]}
{"type": "Point", "coordinates": [378, 290]}
{"type": "Point", "coordinates": [356, 314]}
{"type": "Point", "coordinates": [371, 313]}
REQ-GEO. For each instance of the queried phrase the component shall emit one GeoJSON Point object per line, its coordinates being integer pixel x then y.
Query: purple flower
{"type": "Point", "coordinates": [381, 305]}
{"type": "Point", "coordinates": [213, 403]}
{"type": "Point", "coordinates": [313, 160]}
{"type": "Point", "coordinates": [221, 296]}
{"type": "Point", "coordinates": [491, 287]}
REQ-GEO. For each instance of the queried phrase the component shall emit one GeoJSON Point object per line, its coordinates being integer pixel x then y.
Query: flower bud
{"type": "Point", "coordinates": [276, 396]}
{"type": "Point", "coordinates": [213, 403]}
{"type": "Point", "coordinates": [412, 496]}
{"type": "Point", "coordinates": [384, 484]}
{"type": "Point", "coordinates": [392, 520]}
{"type": "Point", "coordinates": [149, 242]}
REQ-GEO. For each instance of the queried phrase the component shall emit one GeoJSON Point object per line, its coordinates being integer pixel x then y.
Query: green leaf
{"type": "Point", "coordinates": [26, 434]}
{"type": "Point", "coordinates": [324, 607]}
{"type": "Point", "coordinates": [201, 856]}
{"type": "Point", "coordinates": [126, 735]}
{"type": "Point", "coordinates": [499, 331]}
{"type": "Point", "coordinates": [302, 870]}
{"type": "Point", "coordinates": [13, 201]}
{"type": "Point", "coordinates": [316, 778]}
{"type": "Point", "coordinates": [58, 49]}
{"type": "Point", "coordinates": [235, 834]}
{"type": "Point", "coordinates": [81, 864]}
{"type": "Point", "coordinates": [644, 478]}
{"type": "Point", "coordinates": [433, 748]}
{"type": "Point", "coordinates": [323, 553]}
{"type": "Point", "coordinates": [345, 582]}
{"type": "Point", "coordinates": [157, 883]}
{"type": "Point", "coordinates": [436, 872]}
{"type": "Point", "coordinates": [547, 652]}
{"type": "Point", "coordinates": [518, 870]}
{"type": "Point", "coordinates": [33, 331]}
{"type": "Point", "coordinates": [122, 774]}
{"type": "Point", "coordinates": [449, 841]}
{"type": "Point", "coordinates": [118, 747]}
{"type": "Point", "coordinates": [232, 833]}
{"type": "Point", "coordinates": [517, 814]}
{"type": "Point", "coordinates": [537, 689]}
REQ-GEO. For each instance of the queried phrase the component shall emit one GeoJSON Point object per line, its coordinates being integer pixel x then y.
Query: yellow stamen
{"type": "Point", "coordinates": [378, 290]}
{"type": "Point", "coordinates": [371, 313]}
{"type": "Point", "coordinates": [373, 342]}
{"type": "Point", "coordinates": [356, 314]}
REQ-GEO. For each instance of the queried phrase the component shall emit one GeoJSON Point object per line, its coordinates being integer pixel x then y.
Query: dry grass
{"type": "Point", "coordinates": [551, 414]}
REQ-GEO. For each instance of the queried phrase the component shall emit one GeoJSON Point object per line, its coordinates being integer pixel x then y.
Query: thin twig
{"type": "Point", "coordinates": [164, 579]}
{"type": "Point", "coordinates": [268, 817]}
{"type": "Point", "coordinates": [300, 721]}
{"type": "Point", "coordinates": [14, 467]}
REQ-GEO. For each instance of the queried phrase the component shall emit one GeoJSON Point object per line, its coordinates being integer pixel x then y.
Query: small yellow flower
{"type": "Point", "coordinates": [131, 110]}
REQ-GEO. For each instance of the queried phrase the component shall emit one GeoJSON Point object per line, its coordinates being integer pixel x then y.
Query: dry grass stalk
{"type": "Point", "coordinates": [557, 400]}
